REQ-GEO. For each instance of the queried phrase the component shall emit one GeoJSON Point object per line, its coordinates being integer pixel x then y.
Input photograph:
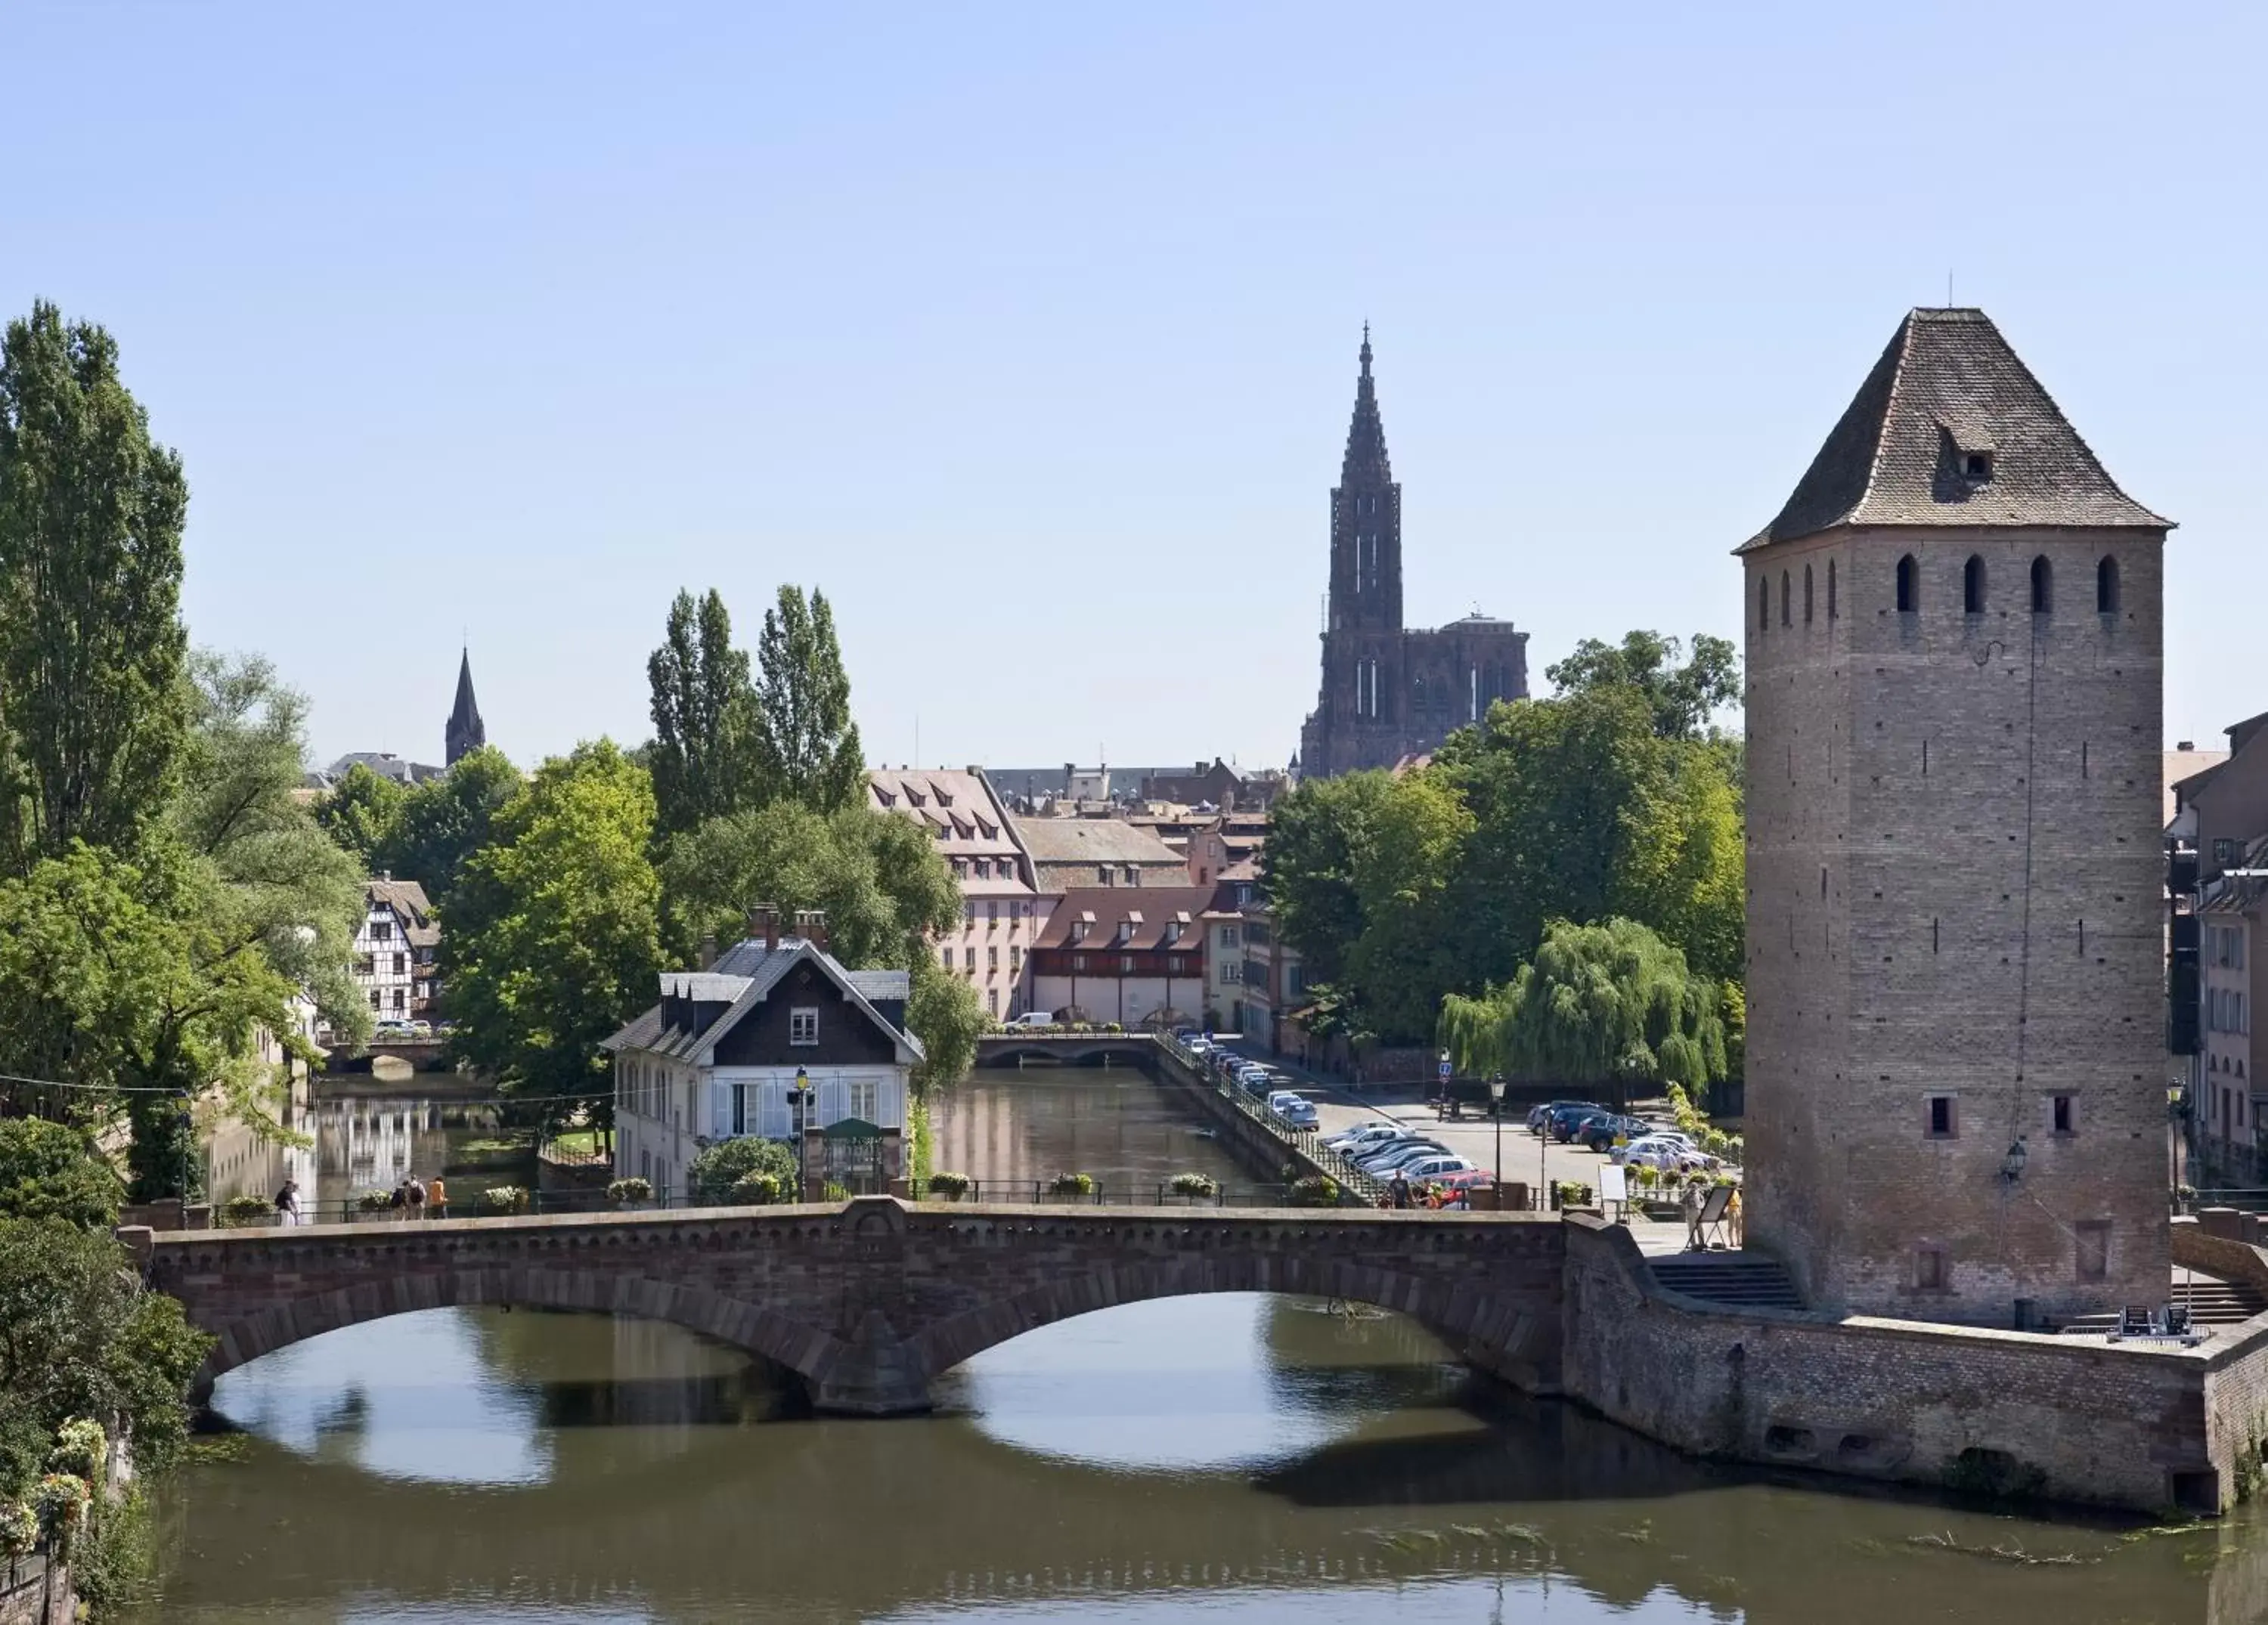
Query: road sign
{"type": "Point", "coordinates": [1445, 1071]}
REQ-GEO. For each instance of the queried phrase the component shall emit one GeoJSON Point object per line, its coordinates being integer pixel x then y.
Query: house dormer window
{"type": "Point", "coordinates": [803, 1025]}
{"type": "Point", "coordinates": [1976, 466]}
{"type": "Point", "coordinates": [886, 798]}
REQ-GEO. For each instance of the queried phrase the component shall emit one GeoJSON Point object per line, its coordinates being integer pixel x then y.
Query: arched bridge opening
{"type": "Point", "coordinates": [870, 1302]}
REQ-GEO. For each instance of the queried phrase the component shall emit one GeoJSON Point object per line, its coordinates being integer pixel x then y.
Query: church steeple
{"type": "Point", "coordinates": [466, 732]}
{"type": "Point", "coordinates": [1365, 463]}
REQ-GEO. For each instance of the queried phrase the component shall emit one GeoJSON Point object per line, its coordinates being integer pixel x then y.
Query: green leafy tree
{"type": "Point", "coordinates": [359, 813]}
{"type": "Point", "coordinates": [80, 1337]}
{"type": "Point", "coordinates": [1315, 836]}
{"type": "Point", "coordinates": [93, 711]}
{"type": "Point", "coordinates": [1682, 698]}
{"type": "Point", "coordinates": [704, 755]}
{"type": "Point", "coordinates": [1409, 948]}
{"type": "Point", "coordinates": [717, 1169]}
{"type": "Point", "coordinates": [553, 935]}
{"type": "Point", "coordinates": [443, 821]}
{"type": "Point", "coordinates": [1600, 1005]}
{"type": "Point", "coordinates": [51, 1170]}
{"type": "Point", "coordinates": [807, 745]}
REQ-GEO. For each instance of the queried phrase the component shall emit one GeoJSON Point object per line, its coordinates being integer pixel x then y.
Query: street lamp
{"type": "Point", "coordinates": [2175, 1096]}
{"type": "Point", "coordinates": [800, 1094]}
{"type": "Point", "coordinates": [2012, 1165]}
{"type": "Point", "coordinates": [1496, 1110]}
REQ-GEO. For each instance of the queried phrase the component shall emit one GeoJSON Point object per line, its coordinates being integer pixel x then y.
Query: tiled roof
{"type": "Point", "coordinates": [1948, 387]}
{"type": "Point", "coordinates": [407, 898]}
{"type": "Point", "coordinates": [742, 975]}
{"type": "Point", "coordinates": [1092, 841]}
{"type": "Point", "coordinates": [1106, 910]}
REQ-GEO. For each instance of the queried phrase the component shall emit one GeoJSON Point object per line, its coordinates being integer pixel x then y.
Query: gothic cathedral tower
{"type": "Point", "coordinates": [1956, 1049]}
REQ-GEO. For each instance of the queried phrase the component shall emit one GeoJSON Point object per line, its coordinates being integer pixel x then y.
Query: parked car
{"type": "Point", "coordinates": [1420, 1169]}
{"type": "Point", "coordinates": [1599, 1130]}
{"type": "Point", "coordinates": [1537, 1113]}
{"type": "Point", "coordinates": [1032, 1019]}
{"type": "Point", "coordinates": [1667, 1153]}
{"type": "Point", "coordinates": [1560, 1125]}
{"type": "Point", "coordinates": [1385, 1162]}
{"type": "Point", "coordinates": [1371, 1136]}
{"type": "Point", "coordinates": [1258, 1082]}
{"type": "Point", "coordinates": [1296, 1110]}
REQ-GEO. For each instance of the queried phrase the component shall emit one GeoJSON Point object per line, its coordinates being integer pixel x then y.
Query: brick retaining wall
{"type": "Point", "coordinates": [2074, 1419]}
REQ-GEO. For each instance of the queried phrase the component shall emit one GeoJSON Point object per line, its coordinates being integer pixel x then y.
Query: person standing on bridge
{"type": "Point", "coordinates": [287, 1202]}
{"type": "Point", "coordinates": [416, 1198]}
{"type": "Point", "coordinates": [436, 1198]}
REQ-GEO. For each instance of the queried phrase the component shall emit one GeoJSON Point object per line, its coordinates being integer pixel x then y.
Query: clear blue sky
{"type": "Point", "coordinates": [1028, 332]}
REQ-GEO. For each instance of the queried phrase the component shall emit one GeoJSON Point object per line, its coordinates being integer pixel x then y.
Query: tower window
{"type": "Point", "coordinates": [1909, 585]}
{"type": "Point", "coordinates": [2063, 1114]}
{"type": "Point", "coordinates": [1763, 606]}
{"type": "Point", "coordinates": [1783, 597]}
{"type": "Point", "coordinates": [1972, 585]}
{"type": "Point", "coordinates": [1943, 1122]}
{"type": "Point", "coordinates": [1830, 589]}
{"type": "Point", "coordinates": [1807, 595]}
{"type": "Point", "coordinates": [2042, 585]}
{"type": "Point", "coordinates": [2106, 586]}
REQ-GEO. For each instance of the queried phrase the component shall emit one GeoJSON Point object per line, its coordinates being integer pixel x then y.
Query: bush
{"type": "Point", "coordinates": [1314, 1190]}
{"type": "Point", "coordinates": [374, 1201]}
{"type": "Point", "coordinates": [1570, 1194]}
{"type": "Point", "coordinates": [47, 1170]}
{"type": "Point", "coordinates": [833, 1191]}
{"type": "Point", "coordinates": [947, 1187]}
{"type": "Point", "coordinates": [20, 1529]}
{"type": "Point", "coordinates": [504, 1199]}
{"type": "Point", "coordinates": [60, 1501]}
{"type": "Point", "coordinates": [82, 1450]}
{"type": "Point", "coordinates": [1194, 1185]}
{"type": "Point", "coordinates": [111, 1562]}
{"type": "Point", "coordinates": [239, 1211]}
{"type": "Point", "coordinates": [1072, 1184]}
{"type": "Point", "coordinates": [718, 1168]}
{"type": "Point", "coordinates": [760, 1190]}
{"type": "Point", "coordinates": [632, 1189]}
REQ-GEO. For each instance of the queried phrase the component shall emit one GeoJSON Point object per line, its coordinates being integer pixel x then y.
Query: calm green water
{"type": "Point", "coordinates": [1235, 1458]}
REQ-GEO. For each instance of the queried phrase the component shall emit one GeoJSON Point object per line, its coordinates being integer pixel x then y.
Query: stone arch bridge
{"type": "Point", "coordinates": [867, 1302]}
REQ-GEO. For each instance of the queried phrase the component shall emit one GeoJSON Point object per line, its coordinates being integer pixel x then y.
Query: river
{"type": "Point", "coordinates": [1233, 1458]}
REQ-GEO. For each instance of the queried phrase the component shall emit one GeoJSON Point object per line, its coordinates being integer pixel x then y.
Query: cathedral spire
{"type": "Point", "coordinates": [466, 732]}
{"type": "Point", "coordinates": [1366, 462]}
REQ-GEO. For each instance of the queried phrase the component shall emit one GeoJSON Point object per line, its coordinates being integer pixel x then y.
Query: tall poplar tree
{"type": "Point", "coordinates": [807, 745]}
{"type": "Point", "coordinates": [93, 708]}
{"type": "Point", "coordinates": [703, 757]}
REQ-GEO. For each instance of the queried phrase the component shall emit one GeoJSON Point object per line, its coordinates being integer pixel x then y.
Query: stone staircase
{"type": "Point", "coordinates": [2210, 1301]}
{"type": "Point", "coordinates": [1733, 1280]}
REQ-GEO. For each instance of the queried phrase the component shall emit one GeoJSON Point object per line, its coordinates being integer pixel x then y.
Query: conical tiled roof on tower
{"type": "Point", "coordinates": [466, 732]}
{"type": "Point", "coordinates": [1365, 461]}
{"type": "Point", "coordinates": [1951, 428]}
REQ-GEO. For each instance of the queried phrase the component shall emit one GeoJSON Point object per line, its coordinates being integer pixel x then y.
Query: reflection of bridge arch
{"type": "Point", "coordinates": [280, 1324]}
{"type": "Point", "coordinates": [871, 1301]}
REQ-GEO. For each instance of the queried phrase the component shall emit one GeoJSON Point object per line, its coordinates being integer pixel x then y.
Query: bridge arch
{"type": "Point", "coordinates": [801, 1348]}
{"type": "Point", "coordinates": [1511, 1343]}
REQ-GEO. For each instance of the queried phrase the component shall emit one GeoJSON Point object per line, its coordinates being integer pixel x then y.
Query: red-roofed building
{"type": "Point", "coordinates": [1128, 955]}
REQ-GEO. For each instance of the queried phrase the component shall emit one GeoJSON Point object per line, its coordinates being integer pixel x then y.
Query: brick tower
{"type": "Point", "coordinates": [1956, 1054]}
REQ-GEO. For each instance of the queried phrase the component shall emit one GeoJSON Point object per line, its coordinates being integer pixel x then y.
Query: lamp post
{"type": "Point", "coordinates": [2175, 1095]}
{"type": "Point", "coordinates": [800, 1094]}
{"type": "Point", "coordinates": [1496, 1110]}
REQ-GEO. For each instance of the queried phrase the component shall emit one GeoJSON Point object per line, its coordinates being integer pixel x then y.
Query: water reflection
{"type": "Point", "coordinates": [1234, 1457]}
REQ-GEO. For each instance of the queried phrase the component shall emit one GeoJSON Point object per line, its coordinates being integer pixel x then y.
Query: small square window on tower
{"type": "Point", "coordinates": [1930, 1274]}
{"type": "Point", "coordinates": [2063, 1114]}
{"type": "Point", "coordinates": [1941, 1120]}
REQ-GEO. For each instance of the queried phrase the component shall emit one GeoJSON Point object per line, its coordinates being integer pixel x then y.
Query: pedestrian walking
{"type": "Point", "coordinates": [1398, 1190]}
{"type": "Point", "coordinates": [416, 1198]}
{"type": "Point", "coordinates": [397, 1205]}
{"type": "Point", "coordinates": [436, 1198]}
{"type": "Point", "coordinates": [1691, 1201]}
{"type": "Point", "coordinates": [1732, 1216]}
{"type": "Point", "coordinates": [287, 1202]}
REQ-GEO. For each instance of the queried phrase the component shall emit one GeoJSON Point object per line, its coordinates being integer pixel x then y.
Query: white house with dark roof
{"type": "Point", "coordinates": [395, 949]}
{"type": "Point", "coordinates": [719, 1057]}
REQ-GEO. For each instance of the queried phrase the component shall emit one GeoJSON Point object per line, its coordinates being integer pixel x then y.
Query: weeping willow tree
{"type": "Point", "coordinates": [1599, 1004]}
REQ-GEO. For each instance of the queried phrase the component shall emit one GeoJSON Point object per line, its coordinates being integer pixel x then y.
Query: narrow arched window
{"type": "Point", "coordinates": [1830, 590]}
{"type": "Point", "coordinates": [2042, 585]}
{"type": "Point", "coordinates": [1783, 597]}
{"type": "Point", "coordinates": [2106, 586]}
{"type": "Point", "coordinates": [1763, 605]}
{"type": "Point", "coordinates": [1807, 595]}
{"type": "Point", "coordinates": [1909, 585]}
{"type": "Point", "coordinates": [1972, 585]}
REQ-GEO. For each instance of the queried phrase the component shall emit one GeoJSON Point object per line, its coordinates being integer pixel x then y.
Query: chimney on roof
{"type": "Point", "coordinates": [811, 925]}
{"type": "Point", "coordinates": [763, 921]}
{"type": "Point", "coordinates": [708, 949]}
